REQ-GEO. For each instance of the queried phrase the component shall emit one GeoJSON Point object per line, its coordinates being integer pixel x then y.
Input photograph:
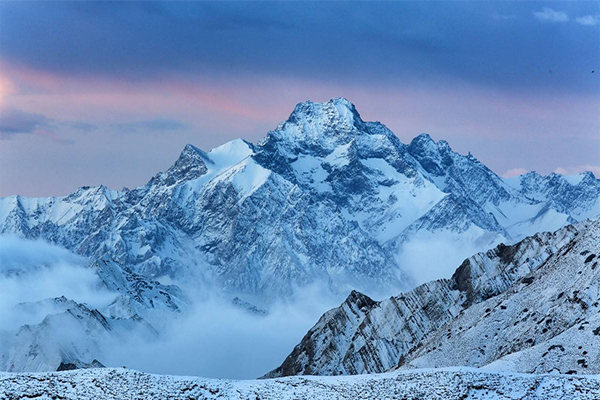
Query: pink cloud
{"type": "Point", "coordinates": [28, 78]}
{"type": "Point", "coordinates": [578, 169]}
{"type": "Point", "coordinates": [455, 109]}
{"type": "Point", "coordinates": [471, 118]}
{"type": "Point", "coordinates": [514, 172]}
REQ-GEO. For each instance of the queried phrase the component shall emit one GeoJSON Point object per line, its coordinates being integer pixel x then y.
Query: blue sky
{"type": "Point", "coordinates": [110, 93]}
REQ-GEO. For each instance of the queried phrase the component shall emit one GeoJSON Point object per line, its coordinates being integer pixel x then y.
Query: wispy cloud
{"type": "Point", "coordinates": [15, 122]}
{"type": "Point", "coordinates": [154, 125]}
{"type": "Point", "coordinates": [33, 270]}
{"type": "Point", "coordinates": [550, 15]}
{"type": "Point", "coordinates": [80, 126]}
{"type": "Point", "coordinates": [577, 169]}
{"type": "Point", "coordinates": [514, 172]}
{"type": "Point", "coordinates": [18, 122]}
{"type": "Point", "coordinates": [589, 20]}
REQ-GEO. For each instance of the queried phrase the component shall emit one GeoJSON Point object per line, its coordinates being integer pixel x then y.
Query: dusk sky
{"type": "Point", "coordinates": [110, 93]}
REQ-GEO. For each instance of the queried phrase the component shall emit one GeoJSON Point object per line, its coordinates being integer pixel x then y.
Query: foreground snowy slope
{"type": "Point", "coordinates": [450, 384]}
{"type": "Point", "coordinates": [547, 321]}
{"type": "Point", "coordinates": [530, 307]}
{"type": "Point", "coordinates": [324, 198]}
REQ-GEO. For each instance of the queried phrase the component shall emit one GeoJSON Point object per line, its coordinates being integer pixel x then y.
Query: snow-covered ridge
{"type": "Point", "coordinates": [546, 321]}
{"type": "Point", "coordinates": [502, 308]}
{"type": "Point", "coordinates": [450, 384]}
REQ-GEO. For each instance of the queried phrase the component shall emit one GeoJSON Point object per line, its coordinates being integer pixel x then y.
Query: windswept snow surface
{"type": "Point", "coordinates": [447, 384]}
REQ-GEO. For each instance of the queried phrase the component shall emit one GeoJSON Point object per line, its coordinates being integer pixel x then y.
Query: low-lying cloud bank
{"type": "Point", "coordinates": [218, 340]}
{"type": "Point", "coordinates": [31, 271]}
{"type": "Point", "coordinates": [213, 338]}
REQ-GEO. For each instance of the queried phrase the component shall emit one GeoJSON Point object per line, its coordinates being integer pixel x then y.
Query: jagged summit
{"type": "Point", "coordinates": [360, 300]}
{"type": "Point", "coordinates": [226, 154]}
{"type": "Point", "coordinates": [424, 144]}
{"type": "Point", "coordinates": [586, 176]}
{"type": "Point", "coordinates": [193, 152]}
{"type": "Point", "coordinates": [191, 164]}
{"type": "Point", "coordinates": [423, 138]}
{"type": "Point", "coordinates": [319, 128]}
{"type": "Point", "coordinates": [340, 107]}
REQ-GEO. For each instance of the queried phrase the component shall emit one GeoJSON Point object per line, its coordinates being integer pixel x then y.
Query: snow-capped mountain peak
{"type": "Point", "coordinates": [319, 128]}
{"type": "Point", "coordinates": [324, 197]}
{"type": "Point", "coordinates": [337, 112]}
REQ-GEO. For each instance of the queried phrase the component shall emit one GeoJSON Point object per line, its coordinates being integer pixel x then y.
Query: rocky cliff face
{"type": "Point", "coordinates": [507, 305]}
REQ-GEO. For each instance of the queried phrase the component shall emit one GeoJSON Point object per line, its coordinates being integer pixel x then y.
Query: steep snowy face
{"type": "Point", "coordinates": [137, 295]}
{"type": "Point", "coordinates": [457, 174]}
{"type": "Point", "coordinates": [191, 164]}
{"type": "Point", "coordinates": [324, 198]}
{"type": "Point", "coordinates": [365, 336]}
{"type": "Point", "coordinates": [318, 356]}
{"type": "Point", "coordinates": [488, 274]}
{"type": "Point", "coordinates": [361, 167]}
{"type": "Point", "coordinates": [271, 237]}
{"type": "Point", "coordinates": [478, 194]}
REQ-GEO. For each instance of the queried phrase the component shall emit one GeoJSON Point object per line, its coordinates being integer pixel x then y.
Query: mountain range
{"type": "Point", "coordinates": [324, 199]}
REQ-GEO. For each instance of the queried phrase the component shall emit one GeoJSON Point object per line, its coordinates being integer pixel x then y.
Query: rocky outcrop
{"type": "Point", "coordinates": [357, 339]}
{"type": "Point", "coordinates": [70, 366]}
{"type": "Point", "coordinates": [544, 322]}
